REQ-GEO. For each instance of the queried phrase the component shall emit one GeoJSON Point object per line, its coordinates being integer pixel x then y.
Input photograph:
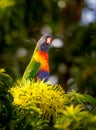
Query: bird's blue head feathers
{"type": "Point", "coordinates": [44, 42]}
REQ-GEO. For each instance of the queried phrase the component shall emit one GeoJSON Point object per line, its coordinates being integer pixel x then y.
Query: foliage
{"type": "Point", "coordinates": [6, 3]}
{"type": "Point", "coordinates": [5, 99]}
{"type": "Point", "coordinates": [37, 106]}
{"type": "Point", "coordinates": [74, 97]}
{"type": "Point", "coordinates": [75, 118]}
{"type": "Point", "coordinates": [23, 22]}
{"type": "Point", "coordinates": [41, 105]}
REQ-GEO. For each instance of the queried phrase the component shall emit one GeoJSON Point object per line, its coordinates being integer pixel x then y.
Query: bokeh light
{"type": "Point", "coordinates": [46, 29]}
{"type": "Point", "coordinates": [57, 43]}
{"type": "Point", "coordinates": [61, 4]}
{"type": "Point", "coordinates": [21, 52]}
{"type": "Point", "coordinates": [91, 4]}
{"type": "Point", "coordinates": [53, 79]}
{"type": "Point", "coordinates": [87, 17]}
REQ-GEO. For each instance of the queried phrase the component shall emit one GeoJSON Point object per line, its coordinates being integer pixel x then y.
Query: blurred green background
{"type": "Point", "coordinates": [72, 56]}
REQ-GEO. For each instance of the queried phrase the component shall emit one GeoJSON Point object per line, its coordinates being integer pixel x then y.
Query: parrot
{"type": "Point", "coordinates": [38, 67]}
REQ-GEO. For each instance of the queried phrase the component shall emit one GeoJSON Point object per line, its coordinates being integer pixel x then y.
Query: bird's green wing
{"type": "Point", "coordinates": [31, 70]}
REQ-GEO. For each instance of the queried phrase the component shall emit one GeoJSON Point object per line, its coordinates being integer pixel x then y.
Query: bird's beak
{"type": "Point", "coordinates": [49, 40]}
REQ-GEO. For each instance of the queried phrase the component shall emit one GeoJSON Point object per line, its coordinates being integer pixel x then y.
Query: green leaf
{"type": "Point", "coordinates": [84, 98]}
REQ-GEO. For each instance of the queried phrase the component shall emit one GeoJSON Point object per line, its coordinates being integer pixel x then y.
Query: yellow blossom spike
{"type": "Point", "coordinates": [49, 99]}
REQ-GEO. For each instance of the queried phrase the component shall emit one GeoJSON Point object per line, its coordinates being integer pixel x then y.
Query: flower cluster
{"type": "Point", "coordinates": [49, 99]}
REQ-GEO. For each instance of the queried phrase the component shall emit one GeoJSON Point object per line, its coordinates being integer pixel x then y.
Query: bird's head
{"type": "Point", "coordinates": [44, 42]}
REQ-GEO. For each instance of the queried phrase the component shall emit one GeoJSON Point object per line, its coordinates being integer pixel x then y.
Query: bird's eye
{"type": "Point", "coordinates": [49, 40]}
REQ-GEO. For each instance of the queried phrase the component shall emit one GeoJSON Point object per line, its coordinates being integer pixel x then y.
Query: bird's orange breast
{"type": "Point", "coordinates": [42, 57]}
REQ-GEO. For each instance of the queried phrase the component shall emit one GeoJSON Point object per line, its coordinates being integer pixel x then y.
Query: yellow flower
{"type": "Point", "coordinates": [49, 99]}
{"type": "Point", "coordinates": [76, 117]}
{"type": "Point", "coordinates": [72, 111]}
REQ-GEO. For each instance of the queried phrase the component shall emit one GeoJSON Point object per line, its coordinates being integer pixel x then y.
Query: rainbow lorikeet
{"type": "Point", "coordinates": [38, 68]}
